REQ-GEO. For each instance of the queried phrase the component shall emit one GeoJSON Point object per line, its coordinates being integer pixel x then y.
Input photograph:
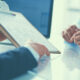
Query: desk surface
{"type": "Point", "coordinates": [67, 65]}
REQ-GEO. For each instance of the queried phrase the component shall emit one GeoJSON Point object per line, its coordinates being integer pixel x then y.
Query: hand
{"type": "Point", "coordinates": [2, 37]}
{"type": "Point", "coordinates": [67, 34]}
{"type": "Point", "coordinates": [39, 48]}
{"type": "Point", "coordinates": [76, 38]}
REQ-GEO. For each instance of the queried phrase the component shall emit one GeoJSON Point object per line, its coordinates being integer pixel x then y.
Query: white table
{"type": "Point", "coordinates": [67, 65]}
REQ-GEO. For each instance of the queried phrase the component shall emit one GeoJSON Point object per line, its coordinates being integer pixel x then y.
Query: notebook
{"type": "Point", "coordinates": [18, 30]}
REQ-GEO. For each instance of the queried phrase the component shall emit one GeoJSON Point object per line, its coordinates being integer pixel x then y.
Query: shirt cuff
{"type": "Point", "coordinates": [33, 52]}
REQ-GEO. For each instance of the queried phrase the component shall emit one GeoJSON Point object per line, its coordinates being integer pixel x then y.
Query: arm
{"type": "Point", "coordinates": [16, 62]}
{"type": "Point", "coordinates": [13, 63]}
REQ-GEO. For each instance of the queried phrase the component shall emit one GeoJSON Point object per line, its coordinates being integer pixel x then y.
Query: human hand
{"type": "Point", "coordinates": [2, 37]}
{"type": "Point", "coordinates": [39, 48]}
{"type": "Point", "coordinates": [68, 33]}
{"type": "Point", "coordinates": [76, 38]}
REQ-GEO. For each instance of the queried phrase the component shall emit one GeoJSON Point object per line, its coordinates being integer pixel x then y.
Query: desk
{"type": "Point", "coordinates": [67, 65]}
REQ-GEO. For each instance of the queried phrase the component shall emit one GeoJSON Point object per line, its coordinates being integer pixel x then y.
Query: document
{"type": "Point", "coordinates": [19, 30]}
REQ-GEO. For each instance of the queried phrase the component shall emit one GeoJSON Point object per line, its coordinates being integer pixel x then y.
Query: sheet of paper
{"type": "Point", "coordinates": [3, 5]}
{"type": "Point", "coordinates": [22, 30]}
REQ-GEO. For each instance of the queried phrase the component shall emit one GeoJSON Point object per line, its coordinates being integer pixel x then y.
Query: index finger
{"type": "Point", "coordinates": [46, 51]}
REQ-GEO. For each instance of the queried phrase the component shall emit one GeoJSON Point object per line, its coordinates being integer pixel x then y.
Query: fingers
{"type": "Point", "coordinates": [72, 38]}
{"type": "Point", "coordinates": [72, 30]}
{"type": "Point", "coordinates": [68, 33]}
{"type": "Point", "coordinates": [66, 36]}
{"type": "Point", "coordinates": [77, 38]}
{"type": "Point", "coordinates": [45, 50]}
{"type": "Point", "coordinates": [40, 49]}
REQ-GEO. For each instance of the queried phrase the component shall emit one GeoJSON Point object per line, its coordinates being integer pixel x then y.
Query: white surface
{"type": "Point", "coordinates": [67, 65]}
{"type": "Point", "coordinates": [73, 4]}
{"type": "Point", "coordinates": [3, 6]}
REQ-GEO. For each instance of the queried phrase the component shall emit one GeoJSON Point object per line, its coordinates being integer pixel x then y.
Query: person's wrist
{"type": "Point", "coordinates": [33, 51]}
{"type": "Point", "coordinates": [35, 47]}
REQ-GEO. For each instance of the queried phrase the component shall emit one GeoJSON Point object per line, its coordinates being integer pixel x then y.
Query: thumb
{"type": "Point", "coordinates": [77, 30]}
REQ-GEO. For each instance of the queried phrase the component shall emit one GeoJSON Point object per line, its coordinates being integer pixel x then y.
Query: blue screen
{"type": "Point", "coordinates": [38, 12]}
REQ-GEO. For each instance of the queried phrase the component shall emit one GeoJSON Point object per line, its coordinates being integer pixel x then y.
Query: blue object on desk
{"type": "Point", "coordinates": [38, 12]}
{"type": "Point", "coordinates": [71, 45]}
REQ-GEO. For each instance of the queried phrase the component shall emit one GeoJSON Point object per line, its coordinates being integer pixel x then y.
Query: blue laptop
{"type": "Point", "coordinates": [38, 12]}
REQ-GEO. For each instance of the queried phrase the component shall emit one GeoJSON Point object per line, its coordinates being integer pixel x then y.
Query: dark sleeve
{"type": "Point", "coordinates": [16, 62]}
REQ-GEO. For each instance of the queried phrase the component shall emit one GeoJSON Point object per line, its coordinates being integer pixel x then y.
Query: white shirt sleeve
{"type": "Point", "coordinates": [33, 52]}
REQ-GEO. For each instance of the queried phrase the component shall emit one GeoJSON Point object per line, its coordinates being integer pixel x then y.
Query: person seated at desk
{"type": "Point", "coordinates": [16, 62]}
{"type": "Point", "coordinates": [72, 34]}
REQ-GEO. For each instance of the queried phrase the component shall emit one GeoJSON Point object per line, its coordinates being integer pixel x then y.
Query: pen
{"type": "Point", "coordinates": [3, 43]}
{"type": "Point", "coordinates": [55, 52]}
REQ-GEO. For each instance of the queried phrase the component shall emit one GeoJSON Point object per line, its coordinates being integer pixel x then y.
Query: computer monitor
{"type": "Point", "coordinates": [38, 12]}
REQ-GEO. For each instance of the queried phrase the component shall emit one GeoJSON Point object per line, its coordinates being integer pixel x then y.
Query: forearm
{"type": "Point", "coordinates": [16, 62]}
